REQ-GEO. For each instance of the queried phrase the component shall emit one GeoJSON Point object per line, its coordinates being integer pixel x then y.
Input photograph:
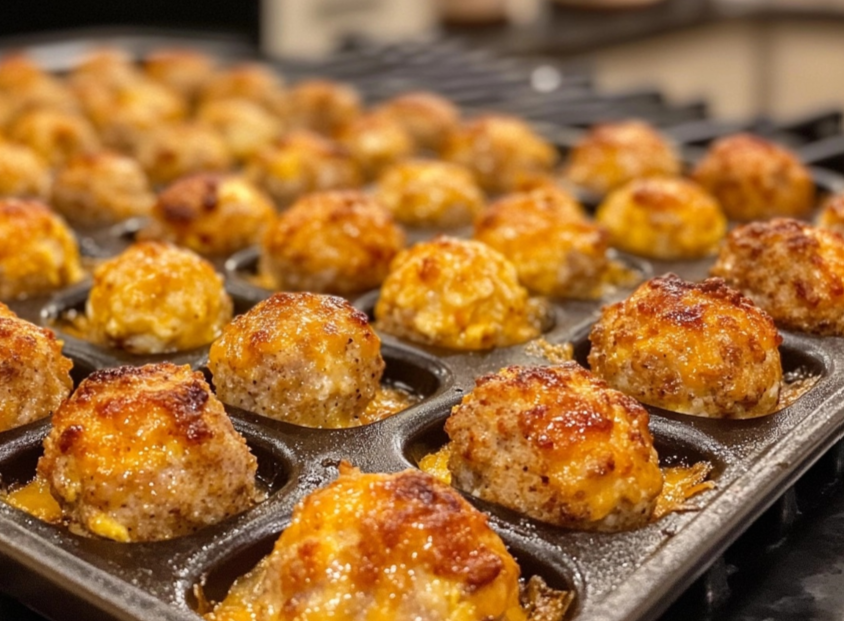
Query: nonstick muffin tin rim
{"type": "Point", "coordinates": [658, 559]}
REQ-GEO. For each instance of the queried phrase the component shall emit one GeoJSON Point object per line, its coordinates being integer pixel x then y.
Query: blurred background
{"type": "Point", "coordinates": [744, 57]}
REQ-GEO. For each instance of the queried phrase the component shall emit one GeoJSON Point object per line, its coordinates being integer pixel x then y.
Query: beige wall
{"type": "Point", "coordinates": [742, 67]}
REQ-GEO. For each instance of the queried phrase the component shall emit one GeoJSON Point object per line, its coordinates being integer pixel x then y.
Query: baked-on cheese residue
{"type": "Point", "coordinates": [680, 483]}
{"type": "Point", "coordinates": [35, 498]}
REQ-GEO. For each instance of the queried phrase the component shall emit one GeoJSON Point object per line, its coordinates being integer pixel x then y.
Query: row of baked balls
{"type": "Point", "coordinates": [314, 136]}
{"type": "Point", "coordinates": [149, 454]}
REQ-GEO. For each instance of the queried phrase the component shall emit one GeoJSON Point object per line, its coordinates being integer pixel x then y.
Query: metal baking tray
{"type": "Point", "coordinates": [620, 576]}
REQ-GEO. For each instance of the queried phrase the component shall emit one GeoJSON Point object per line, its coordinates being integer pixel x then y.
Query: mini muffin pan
{"type": "Point", "coordinates": [627, 576]}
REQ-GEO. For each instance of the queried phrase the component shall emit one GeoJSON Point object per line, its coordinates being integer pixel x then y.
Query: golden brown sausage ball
{"type": "Point", "coordinates": [697, 348]}
{"type": "Point", "coordinates": [244, 126]}
{"type": "Point", "coordinates": [22, 172]}
{"type": "Point", "coordinates": [791, 269]}
{"type": "Point", "coordinates": [183, 71]}
{"type": "Point", "coordinates": [123, 113]}
{"type": "Point", "coordinates": [212, 214]}
{"type": "Point", "coordinates": [303, 358]}
{"type": "Point", "coordinates": [755, 179]}
{"type": "Point", "coordinates": [499, 150]}
{"type": "Point", "coordinates": [428, 118]}
{"type": "Point", "coordinates": [555, 250]}
{"type": "Point", "coordinates": [253, 81]}
{"type": "Point", "coordinates": [613, 154]}
{"type": "Point", "coordinates": [375, 141]}
{"type": "Point", "coordinates": [38, 253]}
{"type": "Point", "coordinates": [663, 218]}
{"type": "Point", "coordinates": [301, 163]}
{"type": "Point", "coordinates": [458, 294]}
{"type": "Point", "coordinates": [832, 215]}
{"type": "Point", "coordinates": [29, 87]}
{"type": "Point", "coordinates": [156, 298]}
{"type": "Point", "coordinates": [557, 444]}
{"type": "Point", "coordinates": [430, 193]}
{"type": "Point", "coordinates": [106, 65]}
{"type": "Point", "coordinates": [36, 376]}
{"type": "Point", "coordinates": [54, 134]}
{"type": "Point", "coordinates": [174, 151]}
{"type": "Point", "coordinates": [324, 106]}
{"type": "Point", "coordinates": [100, 189]}
{"type": "Point", "coordinates": [145, 454]}
{"type": "Point", "coordinates": [381, 546]}
{"type": "Point", "coordinates": [331, 242]}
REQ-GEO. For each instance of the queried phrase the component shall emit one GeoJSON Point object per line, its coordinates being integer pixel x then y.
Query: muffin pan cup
{"type": "Point", "coordinates": [628, 576]}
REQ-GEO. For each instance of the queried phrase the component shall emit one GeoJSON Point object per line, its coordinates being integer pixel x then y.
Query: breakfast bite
{"type": "Point", "coordinates": [174, 151]}
{"type": "Point", "coordinates": [213, 214]}
{"type": "Point", "coordinates": [754, 179]}
{"type": "Point", "coordinates": [698, 348]}
{"type": "Point", "coordinates": [428, 118]}
{"type": "Point", "coordinates": [338, 242]}
{"type": "Point", "coordinates": [129, 455]}
{"type": "Point", "coordinates": [302, 162]}
{"type": "Point", "coordinates": [375, 142]}
{"type": "Point", "coordinates": [665, 218]}
{"type": "Point", "coordinates": [23, 173]}
{"type": "Point", "coordinates": [557, 444]}
{"type": "Point", "coordinates": [789, 268]}
{"type": "Point", "coordinates": [324, 106]}
{"type": "Point", "coordinates": [457, 294]}
{"type": "Point", "coordinates": [307, 359]}
{"type": "Point", "coordinates": [38, 252]}
{"type": "Point", "coordinates": [101, 189]}
{"type": "Point", "coordinates": [555, 249]}
{"type": "Point", "coordinates": [499, 150]}
{"type": "Point", "coordinates": [612, 154]}
{"type": "Point", "coordinates": [156, 298]}
{"type": "Point", "coordinates": [36, 376]}
{"type": "Point", "coordinates": [430, 193]}
{"type": "Point", "coordinates": [383, 546]}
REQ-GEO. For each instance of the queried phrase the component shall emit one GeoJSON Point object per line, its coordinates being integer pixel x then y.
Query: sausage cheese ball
{"type": "Point", "coordinates": [54, 134]}
{"type": "Point", "coordinates": [124, 113]}
{"type": "Point", "coordinates": [331, 242]}
{"type": "Point", "coordinates": [38, 253]}
{"type": "Point", "coordinates": [323, 106]}
{"type": "Point", "coordinates": [430, 193]}
{"type": "Point", "coordinates": [791, 269]}
{"type": "Point", "coordinates": [428, 118]}
{"type": "Point", "coordinates": [557, 444]}
{"type": "Point", "coordinates": [555, 250]}
{"type": "Point", "coordinates": [300, 163]}
{"type": "Point", "coordinates": [613, 154]}
{"type": "Point", "coordinates": [22, 172]}
{"type": "Point", "coordinates": [212, 214]}
{"type": "Point", "coordinates": [244, 126]}
{"type": "Point", "coordinates": [183, 71]}
{"type": "Point", "coordinates": [663, 218]}
{"type": "Point", "coordinates": [754, 179]}
{"type": "Point", "coordinates": [832, 214]}
{"type": "Point", "coordinates": [398, 546]}
{"type": "Point", "coordinates": [29, 87]}
{"type": "Point", "coordinates": [170, 152]}
{"type": "Point", "coordinates": [499, 150]}
{"type": "Point", "coordinates": [253, 81]}
{"type": "Point", "coordinates": [36, 376]}
{"type": "Point", "coordinates": [457, 294]}
{"type": "Point", "coordinates": [375, 141]}
{"type": "Point", "coordinates": [303, 358]}
{"type": "Point", "coordinates": [101, 189]}
{"type": "Point", "coordinates": [107, 65]}
{"type": "Point", "coordinates": [697, 348]}
{"type": "Point", "coordinates": [156, 298]}
{"type": "Point", "coordinates": [145, 454]}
